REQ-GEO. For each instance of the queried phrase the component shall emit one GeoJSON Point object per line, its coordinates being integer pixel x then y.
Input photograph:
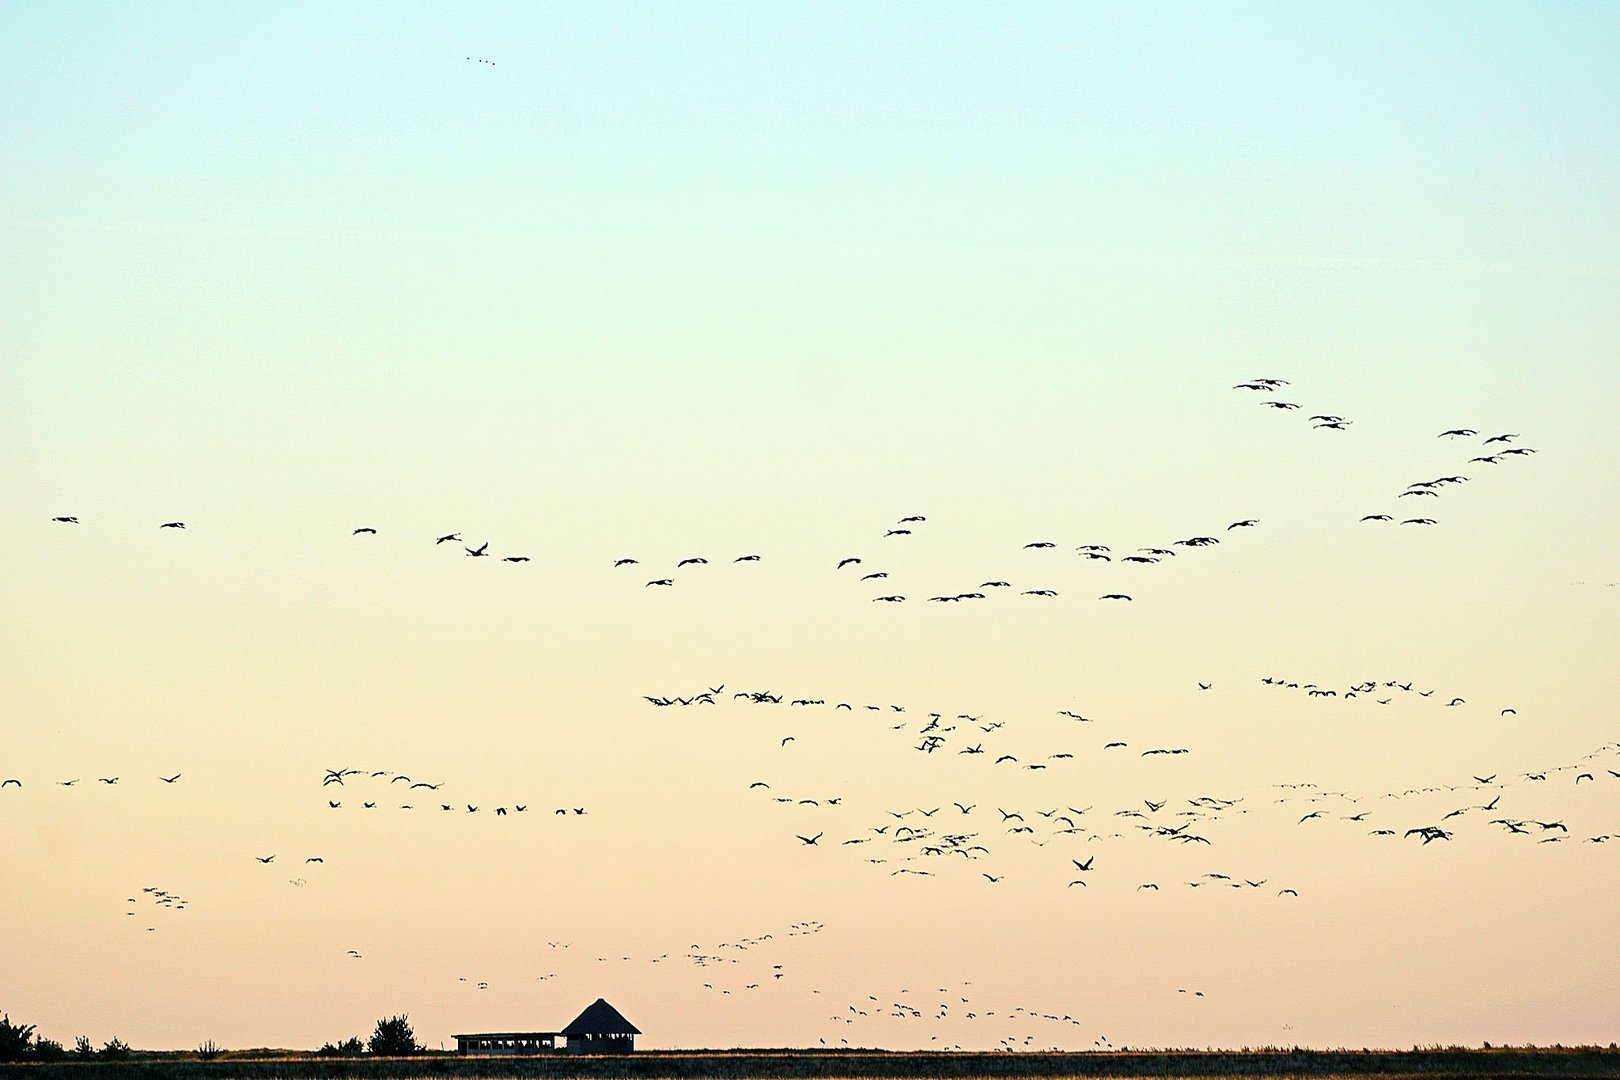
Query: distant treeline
{"type": "Point", "coordinates": [791, 1065]}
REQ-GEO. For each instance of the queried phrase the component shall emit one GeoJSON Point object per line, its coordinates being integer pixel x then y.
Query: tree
{"type": "Point", "coordinates": [394, 1037]}
{"type": "Point", "coordinates": [83, 1048]}
{"type": "Point", "coordinates": [15, 1039]}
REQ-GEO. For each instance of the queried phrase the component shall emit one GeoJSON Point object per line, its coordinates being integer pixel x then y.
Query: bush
{"type": "Point", "coordinates": [209, 1050]}
{"type": "Point", "coordinates": [15, 1039]}
{"type": "Point", "coordinates": [350, 1047]}
{"type": "Point", "coordinates": [115, 1050]}
{"type": "Point", "coordinates": [82, 1047]}
{"type": "Point", "coordinates": [394, 1038]}
{"type": "Point", "coordinates": [48, 1050]}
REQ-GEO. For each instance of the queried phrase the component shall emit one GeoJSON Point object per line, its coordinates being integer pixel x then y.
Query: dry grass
{"type": "Point", "coordinates": [1430, 1064]}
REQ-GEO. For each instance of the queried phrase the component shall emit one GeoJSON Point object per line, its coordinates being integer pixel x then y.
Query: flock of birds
{"type": "Point", "coordinates": [1027, 811]}
{"type": "Point", "coordinates": [975, 835]}
{"type": "Point", "coordinates": [1417, 489]}
{"type": "Point", "coordinates": [385, 779]}
{"type": "Point", "coordinates": [864, 568]}
{"type": "Point", "coordinates": [157, 900]}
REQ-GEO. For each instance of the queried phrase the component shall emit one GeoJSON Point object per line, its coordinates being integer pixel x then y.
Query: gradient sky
{"type": "Point", "coordinates": [664, 282]}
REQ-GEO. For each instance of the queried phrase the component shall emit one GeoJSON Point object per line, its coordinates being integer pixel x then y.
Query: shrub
{"type": "Point", "coordinates": [82, 1047]}
{"type": "Point", "coordinates": [15, 1039]}
{"type": "Point", "coordinates": [394, 1037]}
{"type": "Point", "coordinates": [350, 1047]}
{"type": "Point", "coordinates": [115, 1049]}
{"type": "Point", "coordinates": [48, 1050]}
{"type": "Point", "coordinates": [209, 1050]}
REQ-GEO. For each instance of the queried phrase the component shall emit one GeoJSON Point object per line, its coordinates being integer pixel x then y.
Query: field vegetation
{"type": "Point", "coordinates": [1435, 1062]}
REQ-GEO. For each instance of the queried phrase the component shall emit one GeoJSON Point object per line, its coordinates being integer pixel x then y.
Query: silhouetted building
{"type": "Point", "coordinates": [600, 1029]}
{"type": "Point", "coordinates": [510, 1042]}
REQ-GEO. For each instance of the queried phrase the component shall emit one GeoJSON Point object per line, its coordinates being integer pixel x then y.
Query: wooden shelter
{"type": "Point", "coordinates": [505, 1043]}
{"type": "Point", "coordinates": [600, 1029]}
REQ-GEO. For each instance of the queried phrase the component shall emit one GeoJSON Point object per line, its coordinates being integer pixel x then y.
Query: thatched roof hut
{"type": "Point", "coordinates": [601, 1029]}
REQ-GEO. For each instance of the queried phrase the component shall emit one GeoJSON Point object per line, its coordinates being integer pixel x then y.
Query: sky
{"type": "Point", "coordinates": [588, 283]}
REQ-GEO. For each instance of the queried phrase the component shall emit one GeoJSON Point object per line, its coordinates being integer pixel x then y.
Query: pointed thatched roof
{"type": "Point", "coordinates": [600, 1018]}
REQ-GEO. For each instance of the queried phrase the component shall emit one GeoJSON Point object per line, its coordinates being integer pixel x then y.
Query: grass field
{"type": "Point", "coordinates": [850, 1065]}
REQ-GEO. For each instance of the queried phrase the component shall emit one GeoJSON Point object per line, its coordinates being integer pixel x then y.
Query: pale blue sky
{"type": "Point", "coordinates": [685, 280]}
